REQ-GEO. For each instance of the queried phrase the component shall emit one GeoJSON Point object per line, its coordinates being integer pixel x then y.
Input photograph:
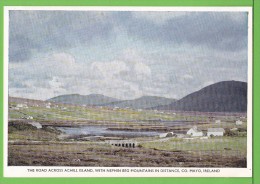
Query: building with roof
{"type": "Point", "coordinates": [239, 122]}
{"type": "Point", "coordinates": [215, 132]}
{"type": "Point", "coordinates": [36, 124]}
{"type": "Point", "coordinates": [218, 121]}
{"type": "Point", "coordinates": [195, 132]}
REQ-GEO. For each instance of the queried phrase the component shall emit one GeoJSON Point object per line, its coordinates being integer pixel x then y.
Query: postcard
{"type": "Point", "coordinates": [127, 91]}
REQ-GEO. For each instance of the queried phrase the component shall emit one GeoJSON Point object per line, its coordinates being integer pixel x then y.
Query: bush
{"type": "Point", "coordinates": [19, 126]}
{"type": "Point", "coordinates": [242, 129]}
{"type": "Point", "coordinates": [231, 133]}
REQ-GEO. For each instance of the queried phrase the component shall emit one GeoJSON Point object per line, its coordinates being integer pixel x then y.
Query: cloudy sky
{"type": "Point", "coordinates": [124, 54]}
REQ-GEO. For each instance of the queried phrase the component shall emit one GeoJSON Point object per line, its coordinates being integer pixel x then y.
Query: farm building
{"type": "Point", "coordinates": [195, 132]}
{"type": "Point", "coordinates": [238, 122]}
{"type": "Point", "coordinates": [29, 117]}
{"type": "Point", "coordinates": [36, 124]}
{"type": "Point", "coordinates": [215, 132]}
{"type": "Point", "coordinates": [21, 106]}
{"type": "Point", "coordinates": [218, 121]}
{"type": "Point", "coordinates": [233, 129]}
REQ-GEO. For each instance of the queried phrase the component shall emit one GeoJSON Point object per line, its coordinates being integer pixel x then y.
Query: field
{"type": "Point", "coordinates": [30, 146]}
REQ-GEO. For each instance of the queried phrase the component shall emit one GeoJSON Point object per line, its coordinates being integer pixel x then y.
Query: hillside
{"type": "Point", "coordinates": [226, 96]}
{"type": "Point", "coordinates": [24, 100]}
{"type": "Point", "coordinates": [92, 99]}
{"type": "Point", "coordinates": [142, 102]}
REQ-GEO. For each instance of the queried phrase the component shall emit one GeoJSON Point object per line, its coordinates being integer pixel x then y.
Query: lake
{"type": "Point", "coordinates": [103, 131]}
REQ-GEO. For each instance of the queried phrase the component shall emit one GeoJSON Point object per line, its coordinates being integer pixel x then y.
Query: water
{"type": "Point", "coordinates": [103, 131]}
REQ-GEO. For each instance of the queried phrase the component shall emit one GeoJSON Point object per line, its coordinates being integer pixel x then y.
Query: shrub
{"type": "Point", "coordinates": [231, 133]}
{"type": "Point", "coordinates": [242, 129]}
{"type": "Point", "coordinates": [19, 126]}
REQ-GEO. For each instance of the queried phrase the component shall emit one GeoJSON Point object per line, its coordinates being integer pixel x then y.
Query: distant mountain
{"type": "Point", "coordinates": [24, 100]}
{"type": "Point", "coordinates": [101, 100]}
{"type": "Point", "coordinates": [92, 99]}
{"type": "Point", "coordinates": [226, 96]}
{"type": "Point", "coordinates": [142, 102]}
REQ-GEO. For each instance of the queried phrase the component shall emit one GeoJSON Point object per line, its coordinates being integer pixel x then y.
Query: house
{"type": "Point", "coordinates": [195, 132]}
{"type": "Point", "coordinates": [36, 124]}
{"type": "Point", "coordinates": [29, 117]}
{"type": "Point", "coordinates": [218, 121]}
{"type": "Point", "coordinates": [115, 108]}
{"type": "Point", "coordinates": [233, 129]}
{"type": "Point", "coordinates": [21, 106]}
{"type": "Point", "coordinates": [215, 132]}
{"type": "Point", "coordinates": [239, 122]}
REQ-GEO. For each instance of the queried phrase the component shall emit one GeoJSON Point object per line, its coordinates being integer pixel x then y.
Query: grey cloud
{"type": "Point", "coordinates": [215, 30]}
{"type": "Point", "coordinates": [210, 47]}
{"type": "Point", "coordinates": [43, 31]}
{"type": "Point", "coordinates": [54, 30]}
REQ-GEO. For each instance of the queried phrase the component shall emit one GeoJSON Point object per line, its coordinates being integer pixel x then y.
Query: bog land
{"type": "Point", "coordinates": [44, 133]}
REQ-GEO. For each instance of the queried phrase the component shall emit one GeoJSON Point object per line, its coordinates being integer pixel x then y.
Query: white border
{"type": "Point", "coordinates": [21, 171]}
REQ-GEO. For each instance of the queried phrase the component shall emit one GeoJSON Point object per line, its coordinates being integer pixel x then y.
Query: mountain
{"type": "Point", "coordinates": [142, 102]}
{"type": "Point", "coordinates": [101, 100]}
{"type": "Point", "coordinates": [92, 99]}
{"type": "Point", "coordinates": [24, 100]}
{"type": "Point", "coordinates": [226, 96]}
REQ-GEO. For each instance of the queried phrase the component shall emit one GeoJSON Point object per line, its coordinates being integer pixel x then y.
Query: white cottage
{"type": "Point", "coordinates": [21, 106]}
{"type": "Point", "coordinates": [218, 121]}
{"type": "Point", "coordinates": [239, 122]}
{"type": "Point", "coordinates": [29, 117]}
{"type": "Point", "coordinates": [36, 124]}
{"type": "Point", "coordinates": [195, 132]}
{"type": "Point", "coordinates": [215, 132]}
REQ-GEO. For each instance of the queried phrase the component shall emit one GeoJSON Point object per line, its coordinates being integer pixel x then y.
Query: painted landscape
{"type": "Point", "coordinates": [128, 88]}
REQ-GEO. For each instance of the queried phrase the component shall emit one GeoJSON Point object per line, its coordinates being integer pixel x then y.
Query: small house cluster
{"type": "Point", "coordinates": [195, 132]}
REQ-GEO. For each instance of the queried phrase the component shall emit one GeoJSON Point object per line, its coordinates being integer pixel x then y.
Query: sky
{"type": "Point", "coordinates": [124, 54]}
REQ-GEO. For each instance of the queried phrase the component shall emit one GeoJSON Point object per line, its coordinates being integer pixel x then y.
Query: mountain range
{"type": "Point", "coordinates": [226, 96]}
{"type": "Point", "coordinates": [143, 102]}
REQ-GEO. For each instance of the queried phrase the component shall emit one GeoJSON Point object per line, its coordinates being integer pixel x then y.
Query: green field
{"type": "Point", "coordinates": [79, 113]}
{"type": "Point", "coordinates": [232, 144]}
